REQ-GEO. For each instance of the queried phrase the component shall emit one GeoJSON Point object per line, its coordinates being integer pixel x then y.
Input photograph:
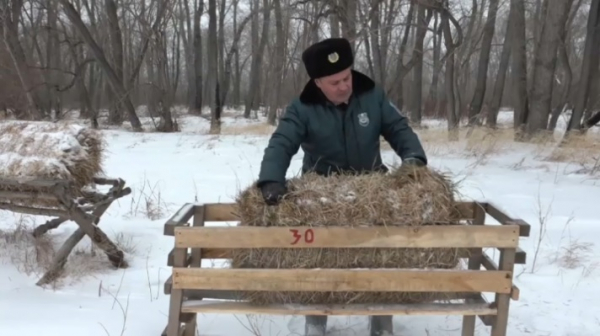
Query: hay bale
{"type": "Point", "coordinates": [49, 150]}
{"type": "Point", "coordinates": [397, 198]}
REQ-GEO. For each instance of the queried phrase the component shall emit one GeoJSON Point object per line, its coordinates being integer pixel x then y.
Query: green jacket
{"type": "Point", "coordinates": [334, 140]}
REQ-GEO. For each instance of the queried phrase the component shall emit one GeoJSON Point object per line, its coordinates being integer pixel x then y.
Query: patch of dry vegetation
{"type": "Point", "coordinates": [147, 201]}
{"type": "Point", "coordinates": [580, 149]}
{"type": "Point", "coordinates": [250, 128]}
{"type": "Point", "coordinates": [33, 255]}
{"type": "Point", "coordinates": [18, 247]}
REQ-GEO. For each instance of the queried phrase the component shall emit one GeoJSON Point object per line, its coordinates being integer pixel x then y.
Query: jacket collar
{"type": "Point", "coordinates": [312, 95]}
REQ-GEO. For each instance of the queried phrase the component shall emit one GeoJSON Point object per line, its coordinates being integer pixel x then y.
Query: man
{"type": "Point", "coordinates": [337, 120]}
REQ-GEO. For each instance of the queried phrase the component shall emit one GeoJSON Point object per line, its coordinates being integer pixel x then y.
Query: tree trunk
{"type": "Point", "coordinates": [279, 56]}
{"type": "Point", "coordinates": [545, 66]}
{"type": "Point", "coordinates": [116, 42]}
{"type": "Point", "coordinates": [198, 57]}
{"type": "Point", "coordinates": [482, 69]}
{"type": "Point", "coordinates": [451, 112]}
{"type": "Point", "coordinates": [519, 66]}
{"type": "Point", "coordinates": [423, 20]}
{"type": "Point", "coordinates": [589, 66]}
{"type": "Point", "coordinates": [213, 75]}
{"type": "Point", "coordinates": [257, 58]}
{"type": "Point", "coordinates": [492, 117]}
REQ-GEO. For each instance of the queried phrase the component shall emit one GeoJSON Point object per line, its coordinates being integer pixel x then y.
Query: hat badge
{"type": "Point", "coordinates": [333, 57]}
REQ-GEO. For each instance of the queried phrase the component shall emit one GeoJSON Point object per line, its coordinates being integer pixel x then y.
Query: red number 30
{"type": "Point", "coordinates": [309, 236]}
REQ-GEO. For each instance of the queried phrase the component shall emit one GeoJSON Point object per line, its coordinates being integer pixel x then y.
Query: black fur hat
{"type": "Point", "coordinates": [327, 57]}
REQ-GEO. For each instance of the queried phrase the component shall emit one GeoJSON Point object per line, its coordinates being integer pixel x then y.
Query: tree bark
{"type": "Point", "coordinates": [545, 66]}
{"type": "Point", "coordinates": [492, 117]}
{"type": "Point", "coordinates": [589, 66]}
{"type": "Point", "coordinates": [519, 66]}
{"type": "Point", "coordinates": [484, 61]}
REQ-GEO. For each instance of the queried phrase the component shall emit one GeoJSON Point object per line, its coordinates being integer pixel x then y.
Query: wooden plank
{"type": "Point", "coordinates": [341, 237]}
{"type": "Point", "coordinates": [33, 181]}
{"type": "Point", "coordinates": [171, 256]}
{"type": "Point", "coordinates": [223, 307]}
{"type": "Point", "coordinates": [34, 211]}
{"type": "Point", "coordinates": [179, 218]}
{"type": "Point", "coordinates": [520, 257]}
{"type": "Point", "coordinates": [504, 219]}
{"type": "Point", "coordinates": [340, 280]}
{"type": "Point", "coordinates": [220, 212]}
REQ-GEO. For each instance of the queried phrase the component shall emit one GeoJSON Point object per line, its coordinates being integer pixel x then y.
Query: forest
{"type": "Point", "coordinates": [459, 60]}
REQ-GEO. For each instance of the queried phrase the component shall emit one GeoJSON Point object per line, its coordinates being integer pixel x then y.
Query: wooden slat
{"type": "Point", "coordinates": [520, 256]}
{"type": "Point", "coordinates": [190, 258]}
{"type": "Point", "coordinates": [220, 212]}
{"type": "Point", "coordinates": [337, 280]}
{"type": "Point", "coordinates": [348, 309]}
{"type": "Point", "coordinates": [504, 219]}
{"type": "Point", "coordinates": [339, 237]}
{"type": "Point", "coordinates": [179, 218]}
{"type": "Point", "coordinates": [33, 181]}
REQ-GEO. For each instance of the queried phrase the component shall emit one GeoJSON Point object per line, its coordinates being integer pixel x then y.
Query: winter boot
{"type": "Point", "coordinates": [315, 325]}
{"type": "Point", "coordinates": [382, 326]}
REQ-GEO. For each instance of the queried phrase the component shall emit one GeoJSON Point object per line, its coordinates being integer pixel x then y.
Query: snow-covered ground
{"type": "Point", "coordinates": [559, 294]}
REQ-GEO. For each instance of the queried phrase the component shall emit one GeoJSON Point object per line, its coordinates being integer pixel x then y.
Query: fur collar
{"type": "Point", "coordinates": [312, 95]}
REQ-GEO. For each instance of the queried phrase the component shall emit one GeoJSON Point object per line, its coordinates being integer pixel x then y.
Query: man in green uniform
{"type": "Point", "coordinates": [337, 120]}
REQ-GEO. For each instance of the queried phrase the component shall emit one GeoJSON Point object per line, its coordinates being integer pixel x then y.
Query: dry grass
{"type": "Point", "coordinates": [28, 254]}
{"type": "Point", "coordinates": [253, 128]}
{"type": "Point", "coordinates": [415, 198]}
{"type": "Point", "coordinates": [582, 150]}
{"type": "Point", "coordinates": [147, 202]}
{"type": "Point", "coordinates": [33, 256]}
{"type": "Point", "coordinates": [51, 151]}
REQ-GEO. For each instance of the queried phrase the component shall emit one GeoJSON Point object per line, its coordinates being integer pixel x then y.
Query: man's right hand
{"type": "Point", "coordinates": [273, 192]}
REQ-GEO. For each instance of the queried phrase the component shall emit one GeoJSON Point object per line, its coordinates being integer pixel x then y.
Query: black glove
{"type": "Point", "coordinates": [411, 167]}
{"type": "Point", "coordinates": [273, 192]}
{"type": "Point", "coordinates": [412, 162]}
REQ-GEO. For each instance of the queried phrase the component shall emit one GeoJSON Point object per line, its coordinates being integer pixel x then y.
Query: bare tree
{"type": "Point", "coordinates": [555, 18]}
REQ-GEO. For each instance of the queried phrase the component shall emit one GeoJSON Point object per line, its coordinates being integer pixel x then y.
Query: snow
{"type": "Point", "coordinates": [559, 296]}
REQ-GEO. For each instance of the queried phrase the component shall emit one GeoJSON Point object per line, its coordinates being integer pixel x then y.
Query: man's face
{"type": "Point", "coordinates": [337, 87]}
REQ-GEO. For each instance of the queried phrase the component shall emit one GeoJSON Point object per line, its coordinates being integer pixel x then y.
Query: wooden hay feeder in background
{"type": "Point", "coordinates": [53, 170]}
{"type": "Point", "coordinates": [195, 289]}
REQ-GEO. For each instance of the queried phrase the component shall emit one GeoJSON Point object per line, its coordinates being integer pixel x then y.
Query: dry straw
{"type": "Point", "coordinates": [411, 198]}
{"type": "Point", "coordinates": [48, 150]}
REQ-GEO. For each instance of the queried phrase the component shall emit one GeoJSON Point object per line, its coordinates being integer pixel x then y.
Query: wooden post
{"type": "Point", "coordinates": [196, 261]}
{"type": "Point", "coordinates": [507, 263]}
{"type": "Point", "coordinates": [176, 299]}
{"type": "Point", "coordinates": [476, 254]}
